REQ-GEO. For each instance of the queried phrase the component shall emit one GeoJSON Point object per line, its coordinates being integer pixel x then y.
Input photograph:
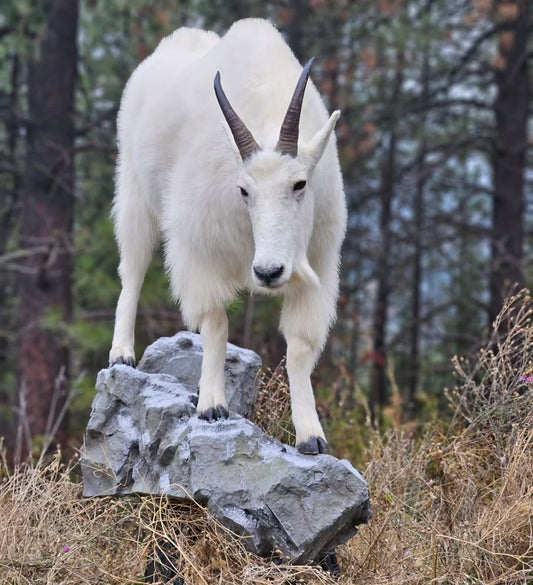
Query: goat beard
{"type": "Point", "coordinates": [306, 273]}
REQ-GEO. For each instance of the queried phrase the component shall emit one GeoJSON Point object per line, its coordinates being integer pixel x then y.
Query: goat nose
{"type": "Point", "coordinates": [268, 275]}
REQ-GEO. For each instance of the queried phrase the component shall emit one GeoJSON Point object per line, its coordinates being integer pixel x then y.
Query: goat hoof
{"type": "Point", "coordinates": [212, 414]}
{"type": "Point", "coordinates": [129, 361]}
{"type": "Point", "coordinates": [221, 411]}
{"type": "Point", "coordinates": [208, 414]}
{"type": "Point", "coordinates": [313, 446]}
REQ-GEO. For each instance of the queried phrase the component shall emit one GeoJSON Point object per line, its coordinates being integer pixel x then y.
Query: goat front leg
{"type": "Point", "coordinates": [135, 257]}
{"type": "Point", "coordinates": [301, 358]}
{"type": "Point", "coordinates": [212, 403]}
{"type": "Point", "coordinates": [305, 326]}
{"type": "Point", "coordinates": [137, 233]}
{"type": "Point", "coordinates": [123, 338]}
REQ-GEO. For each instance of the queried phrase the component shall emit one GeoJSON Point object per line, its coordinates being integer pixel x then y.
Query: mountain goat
{"type": "Point", "coordinates": [249, 201]}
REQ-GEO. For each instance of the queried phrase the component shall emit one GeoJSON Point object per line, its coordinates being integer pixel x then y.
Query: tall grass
{"type": "Point", "coordinates": [454, 506]}
{"type": "Point", "coordinates": [457, 507]}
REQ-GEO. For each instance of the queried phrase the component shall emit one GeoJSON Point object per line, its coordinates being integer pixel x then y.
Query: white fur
{"type": "Point", "coordinates": [179, 177]}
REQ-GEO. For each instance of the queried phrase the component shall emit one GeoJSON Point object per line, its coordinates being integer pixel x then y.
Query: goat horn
{"type": "Point", "coordinates": [243, 137]}
{"type": "Point", "coordinates": [288, 134]}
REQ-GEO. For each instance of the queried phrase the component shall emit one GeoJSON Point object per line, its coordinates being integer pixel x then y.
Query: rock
{"type": "Point", "coordinates": [143, 436]}
{"type": "Point", "coordinates": [181, 357]}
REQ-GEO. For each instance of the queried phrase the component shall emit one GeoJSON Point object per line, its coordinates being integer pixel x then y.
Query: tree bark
{"type": "Point", "coordinates": [416, 301]}
{"type": "Point", "coordinates": [509, 154]}
{"type": "Point", "coordinates": [419, 216]}
{"type": "Point", "coordinates": [47, 206]}
{"type": "Point", "coordinates": [10, 178]}
{"type": "Point", "coordinates": [378, 397]}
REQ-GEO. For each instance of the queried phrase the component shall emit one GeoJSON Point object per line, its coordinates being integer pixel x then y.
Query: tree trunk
{"type": "Point", "coordinates": [414, 333]}
{"type": "Point", "coordinates": [509, 155]}
{"type": "Point", "coordinates": [379, 374]}
{"type": "Point", "coordinates": [419, 208]}
{"type": "Point", "coordinates": [10, 178]}
{"type": "Point", "coordinates": [47, 204]}
{"type": "Point", "coordinates": [378, 397]}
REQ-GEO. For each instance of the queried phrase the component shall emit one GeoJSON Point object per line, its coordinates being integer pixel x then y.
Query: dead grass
{"type": "Point", "coordinates": [457, 508]}
{"type": "Point", "coordinates": [272, 410]}
{"type": "Point", "coordinates": [50, 534]}
{"type": "Point", "coordinates": [453, 507]}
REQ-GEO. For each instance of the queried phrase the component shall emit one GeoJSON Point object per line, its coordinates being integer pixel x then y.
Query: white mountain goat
{"type": "Point", "coordinates": [249, 201]}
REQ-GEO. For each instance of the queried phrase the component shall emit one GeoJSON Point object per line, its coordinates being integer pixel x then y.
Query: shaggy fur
{"type": "Point", "coordinates": [180, 177]}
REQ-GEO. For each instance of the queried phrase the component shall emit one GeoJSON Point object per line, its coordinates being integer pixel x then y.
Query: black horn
{"type": "Point", "coordinates": [243, 137]}
{"type": "Point", "coordinates": [288, 135]}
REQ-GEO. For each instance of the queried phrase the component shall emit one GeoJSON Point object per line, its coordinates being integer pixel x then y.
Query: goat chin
{"type": "Point", "coordinates": [306, 273]}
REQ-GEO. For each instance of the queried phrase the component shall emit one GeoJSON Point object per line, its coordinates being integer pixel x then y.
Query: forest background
{"type": "Point", "coordinates": [435, 142]}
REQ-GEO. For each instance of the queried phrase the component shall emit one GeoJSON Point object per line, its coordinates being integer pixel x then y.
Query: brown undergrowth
{"type": "Point", "coordinates": [456, 507]}
{"type": "Point", "coordinates": [452, 507]}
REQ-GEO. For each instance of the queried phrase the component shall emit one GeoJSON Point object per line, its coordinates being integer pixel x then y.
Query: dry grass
{"type": "Point", "coordinates": [457, 508]}
{"type": "Point", "coordinates": [50, 534]}
{"type": "Point", "coordinates": [272, 410]}
{"type": "Point", "coordinates": [452, 507]}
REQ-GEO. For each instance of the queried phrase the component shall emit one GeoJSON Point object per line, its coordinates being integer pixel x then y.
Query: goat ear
{"type": "Point", "coordinates": [312, 151]}
{"type": "Point", "coordinates": [232, 145]}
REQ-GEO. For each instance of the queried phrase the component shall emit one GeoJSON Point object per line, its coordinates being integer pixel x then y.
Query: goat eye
{"type": "Point", "coordinates": [299, 185]}
{"type": "Point", "coordinates": [244, 193]}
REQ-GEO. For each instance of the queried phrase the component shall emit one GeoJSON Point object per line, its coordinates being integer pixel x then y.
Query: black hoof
{"type": "Point", "coordinates": [212, 414]}
{"type": "Point", "coordinates": [222, 412]}
{"type": "Point", "coordinates": [314, 446]}
{"type": "Point", "coordinates": [125, 361]}
{"type": "Point", "coordinates": [194, 399]}
{"type": "Point", "coordinates": [330, 564]}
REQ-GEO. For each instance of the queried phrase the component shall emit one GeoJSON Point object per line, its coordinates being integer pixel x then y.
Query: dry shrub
{"type": "Point", "coordinates": [457, 508]}
{"type": "Point", "coordinates": [272, 410]}
{"type": "Point", "coordinates": [50, 534]}
{"type": "Point", "coordinates": [202, 551]}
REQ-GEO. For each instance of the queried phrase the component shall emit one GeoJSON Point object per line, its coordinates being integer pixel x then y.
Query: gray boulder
{"type": "Point", "coordinates": [143, 437]}
{"type": "Point", "coordinates": [181, 357]}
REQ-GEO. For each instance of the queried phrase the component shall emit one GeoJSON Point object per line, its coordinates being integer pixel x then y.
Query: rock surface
{"type": "Point", "coordinates": [143, 436]}
{"type": "Point", "coordinates": [181, 357]}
